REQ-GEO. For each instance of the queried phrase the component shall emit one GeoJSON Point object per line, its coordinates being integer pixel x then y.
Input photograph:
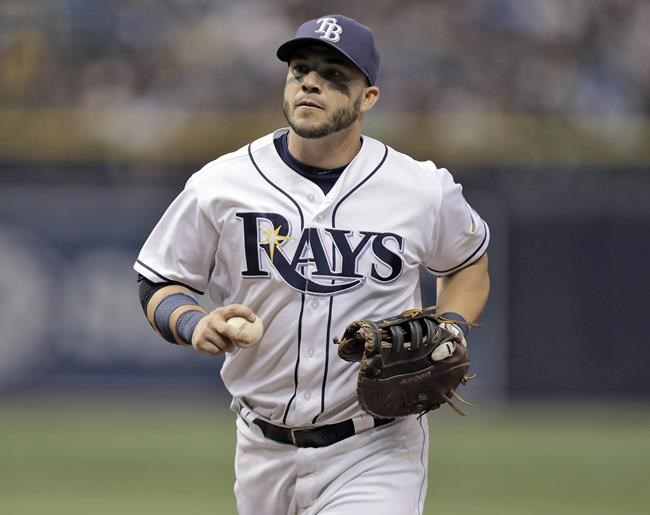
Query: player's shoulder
{"type": "Point", "coordinates": [232, 162]}
{"type": "Point", "coordinates": [425, 169]}
{"type": "Point", "coordinates": [218, 167]}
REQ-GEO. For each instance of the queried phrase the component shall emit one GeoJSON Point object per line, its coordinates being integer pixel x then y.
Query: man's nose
{"type": "Point", "coordinates": [312, 82]}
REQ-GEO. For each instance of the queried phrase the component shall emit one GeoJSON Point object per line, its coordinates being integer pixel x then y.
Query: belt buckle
{"type": "Point", "coordinates": [298, 430]}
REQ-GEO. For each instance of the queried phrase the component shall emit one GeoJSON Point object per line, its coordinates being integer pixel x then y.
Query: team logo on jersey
{"type": "Point", "coordinates": [330, 30]}
{"type": "Point", "coordinates": [305, 262]}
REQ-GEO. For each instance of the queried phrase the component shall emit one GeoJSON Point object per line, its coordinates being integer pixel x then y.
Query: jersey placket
{"type": "Point", "coordinates": [313, 353]}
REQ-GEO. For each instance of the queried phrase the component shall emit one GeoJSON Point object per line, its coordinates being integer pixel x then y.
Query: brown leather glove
{"type": "Point", "coordinates": [410, 363]}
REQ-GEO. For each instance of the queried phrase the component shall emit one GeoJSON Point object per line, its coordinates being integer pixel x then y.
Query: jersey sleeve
{"type": "Point", "coordinates": [460, 235]}
{"type": "Point", "coordinates": [182, 246]}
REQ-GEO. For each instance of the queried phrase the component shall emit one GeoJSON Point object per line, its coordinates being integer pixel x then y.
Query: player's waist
{"type": "Point", "coordinates": [310, 436]}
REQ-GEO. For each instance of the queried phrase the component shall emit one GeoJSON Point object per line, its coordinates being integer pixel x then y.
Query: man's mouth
{"type": "Point", "coordinates": [309, 103]}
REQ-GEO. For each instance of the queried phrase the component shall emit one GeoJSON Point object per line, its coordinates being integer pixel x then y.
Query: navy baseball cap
{"type": "Point", "coordinates": [348, 36]}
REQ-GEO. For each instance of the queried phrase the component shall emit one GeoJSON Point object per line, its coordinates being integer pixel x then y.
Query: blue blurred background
{"type": "Point", "coordinates": [539, 107]}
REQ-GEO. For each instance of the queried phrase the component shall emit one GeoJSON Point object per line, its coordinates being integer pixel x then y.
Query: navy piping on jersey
{"type": "Point", "coordinates": [295, 372]}
{"type": "Point", "coordinates": [329, 320]}
{"type": "Point", "coordinates": [331, 306]}
{"type": "Point", "coordinates": [327, 342]}
{"type": "Point", "coordinates": [461, 265]}
{"type": "Point", "coordinates": [327, 359]}
{"type": "Point", "coordinates": [383, 159]}
{"type": "Point", "coordinates": [166, 279]}
{"type": "Point", "coordinates": [302, 219]}
{"type": "Point", "coordinates": [302, 306]}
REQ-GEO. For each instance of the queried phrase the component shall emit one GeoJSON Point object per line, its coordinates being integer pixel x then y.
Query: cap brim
{"type": "Point", "coordinates": [286, 50]}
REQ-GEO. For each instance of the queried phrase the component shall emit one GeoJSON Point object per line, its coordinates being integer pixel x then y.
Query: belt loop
{"type": "Point", "coordinates": [235, 405]}
{"type": "Point", "coordinates": [246, 414]}
{"type": "Point", "coordinates": [363, 423]}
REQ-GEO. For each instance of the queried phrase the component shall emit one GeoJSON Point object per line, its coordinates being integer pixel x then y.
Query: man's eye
{"type": "Point", "coordinates": [300, 69]}
{"type": "Point", "coordinates": [333, 73]}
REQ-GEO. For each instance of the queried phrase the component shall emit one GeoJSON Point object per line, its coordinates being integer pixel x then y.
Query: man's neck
{"type": "Point", "coordinates": [330, 151]}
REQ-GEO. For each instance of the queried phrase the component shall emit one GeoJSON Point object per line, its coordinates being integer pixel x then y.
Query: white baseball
{"type": "Point", "coordinates": [443, 351]}
{"type": "Point", "coordinates": [253, 329]}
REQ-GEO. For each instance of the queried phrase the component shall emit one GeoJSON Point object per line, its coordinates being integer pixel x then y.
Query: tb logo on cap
{"type": "Point", "coordinates": [329, 29]}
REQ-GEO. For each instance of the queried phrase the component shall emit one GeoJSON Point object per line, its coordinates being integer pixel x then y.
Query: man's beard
{"type": "Point", "coordinates": [341, 119]}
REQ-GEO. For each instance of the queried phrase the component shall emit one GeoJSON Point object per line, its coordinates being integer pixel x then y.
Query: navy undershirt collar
{"type": "Point", "coordinates": [325, 178]}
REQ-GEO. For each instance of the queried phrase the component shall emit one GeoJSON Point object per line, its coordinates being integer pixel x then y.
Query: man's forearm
{"type": "Point", "coordinates": [171, 309]}
{"type": "Point", "coordinates": [465, 292]}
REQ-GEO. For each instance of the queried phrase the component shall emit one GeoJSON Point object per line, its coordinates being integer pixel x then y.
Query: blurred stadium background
{"type": "Point", "coordinates": [540, 108]}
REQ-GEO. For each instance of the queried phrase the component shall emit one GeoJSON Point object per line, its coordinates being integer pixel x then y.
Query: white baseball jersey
{"type": "Point", "coordinates": [247, 229]}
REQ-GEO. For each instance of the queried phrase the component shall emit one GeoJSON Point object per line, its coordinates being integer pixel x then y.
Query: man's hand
{"type": "Point", "coordinates": [213, 335]}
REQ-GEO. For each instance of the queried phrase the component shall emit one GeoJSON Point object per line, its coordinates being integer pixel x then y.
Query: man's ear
{"type": "Point", "coordinates": [369, 99]}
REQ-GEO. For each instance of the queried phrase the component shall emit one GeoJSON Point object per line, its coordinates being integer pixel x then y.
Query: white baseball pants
{"type": "Point", "coordinates": [382, 471]}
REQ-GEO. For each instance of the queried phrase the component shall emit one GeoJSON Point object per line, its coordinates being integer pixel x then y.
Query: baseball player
{"type": "Point", "coordinates": [306, 229]}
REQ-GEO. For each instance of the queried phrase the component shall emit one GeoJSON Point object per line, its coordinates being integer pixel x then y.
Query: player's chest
{"type": "Point", "coordinates": [322, 245]}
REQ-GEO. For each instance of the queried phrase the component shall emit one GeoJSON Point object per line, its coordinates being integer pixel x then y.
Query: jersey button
{"type": "Point", "coordinates": [311, 197]}
{"type": "Point", "coordinates": [307, 396]}
{"type": "Point", "coordinates": [310, 353]}
{"type": "Point", "coordinates": [314, 305]}
{"type": "Point", "coordinates": [319, 218]}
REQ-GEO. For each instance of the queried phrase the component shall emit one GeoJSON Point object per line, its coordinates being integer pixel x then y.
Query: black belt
{"type": "Point", "coordinates": [320, 436]}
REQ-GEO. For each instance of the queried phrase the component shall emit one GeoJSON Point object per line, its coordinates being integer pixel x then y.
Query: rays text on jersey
{"type": "Point", "coordinates": [320, 261]}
